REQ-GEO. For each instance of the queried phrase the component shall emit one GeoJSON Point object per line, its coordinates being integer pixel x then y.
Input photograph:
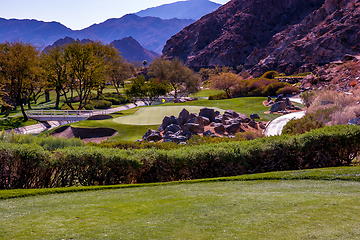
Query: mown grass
{"type": "Point", "coordinates": [226, 208]}
{"type": "Point", "coordinates": [329, 174]}
{"type": "Point", "coordinates": [205, 93]}
{"type": "Point", "coordinates": [155, 115]}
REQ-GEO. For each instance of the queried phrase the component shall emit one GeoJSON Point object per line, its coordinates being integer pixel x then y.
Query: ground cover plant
{"type": "Point", "coordinates": [204, 209]}
{"type": "Point", "coordinates": [29, 166]}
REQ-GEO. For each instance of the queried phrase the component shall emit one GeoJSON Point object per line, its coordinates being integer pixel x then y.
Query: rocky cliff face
{"type": "Point", "coordinates": [287, 36]}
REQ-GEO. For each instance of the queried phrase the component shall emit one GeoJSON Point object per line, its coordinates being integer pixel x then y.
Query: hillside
{"type": "Point", "coordinates": [190, 9]}
{"type": "Point", "coordinates": [287, 36]}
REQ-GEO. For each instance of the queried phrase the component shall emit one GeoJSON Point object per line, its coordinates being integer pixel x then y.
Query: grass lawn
{"type": "Point", "coordinates": [155, 115]}
{"type": "Point", "coordinates": [222, 209]}
{"type": "Point", "coordinates": [205, 93]}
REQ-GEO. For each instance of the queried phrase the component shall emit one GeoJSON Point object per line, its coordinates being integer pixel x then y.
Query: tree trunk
{"type": "Point", "coordinates": [57, 101]}
{"type": "Point", "coordinates": [47, 96]}
{"type": "Point", "coordinates": [24, 113]}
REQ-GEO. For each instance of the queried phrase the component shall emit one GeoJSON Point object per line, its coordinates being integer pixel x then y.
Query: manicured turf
{"type": "Point", "coordinates": [223, 208]}
{"type": "Point", "coordinates": [155, 115]}
{"type": "Point", "coordinates": [298, 209]}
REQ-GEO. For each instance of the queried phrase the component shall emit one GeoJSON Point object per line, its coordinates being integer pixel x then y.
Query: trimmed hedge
{"type": "Point", "coordinates": [24, 166]}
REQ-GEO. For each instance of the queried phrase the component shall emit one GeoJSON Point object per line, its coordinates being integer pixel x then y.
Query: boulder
{"type": "Point", "coordinates": [218, 119]}
{"type": "Point", "coordinates": [184, 115]}
{"type": "Point", "coordinates": [261, 125]}
{"type": "Point", "coordinates": [254, 116]}
{"type": "Point", "coordinates": [206, 121]}
{"type": "Point", "coordinates": [252, 124]}
{"type": "Point", "coordinates": [172, 128]}
{"type": "Point", "coordinates": [209, 133]}
{"type": "Point", "coordinates": [233, 128]}
{"type": "Point", "coordinates": [279, 98]}
{"type": "Point", "coordinates": [244, 118]}
{"type": "Point", "coordinates": [288, 102]}
{"type": "Point", "coordinates": [278, 106]}
{"type": "Point", "coordinates": [152, 135]}
{"type": "Point", "coordinates": [193, 128]}
{"type": "Point", "coordinates": [354, 121]}
{"type": "Point", "coordinates": [193, 115]}
{"type": "Point", "coordinates": [208, 112]}
{"type": "Point", "coordinates": [231, 113]}
{"type": "Point", "coordinates": [219, 128]}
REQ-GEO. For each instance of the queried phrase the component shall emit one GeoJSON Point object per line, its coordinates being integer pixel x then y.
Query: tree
{"type": "Point", "coordinates": [54, 65]}
{"type": "Point", "coordinates": [183, 80]}
{"type": "Point", "coordinates": [86, 67]}
{"type": "Point", "coordinates": [225, 81]}
{"type": "Point", "coordinates": [118, 70]}
{"type": "Point", "coordinates": [18, 63]}
{"type": "Point", "coordinates": [148, 91]}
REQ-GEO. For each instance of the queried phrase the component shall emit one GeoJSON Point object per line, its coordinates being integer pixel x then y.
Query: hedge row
{"type": "Point", "coordinates": [24, 166]}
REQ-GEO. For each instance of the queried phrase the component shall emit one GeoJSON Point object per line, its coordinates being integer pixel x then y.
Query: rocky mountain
{"type": "Point", "coordinates": [287, 36]}
{"type": "Point", "coordinates": [131, 49]}
{"type": "Point", "coordinates": [190, 9]}
{"type": "Point", "coordinates": [128, 47]}
{"type": "Point", "coordinates": [151, 32]}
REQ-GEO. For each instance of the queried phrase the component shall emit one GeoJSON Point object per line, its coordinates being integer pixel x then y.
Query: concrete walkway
{"type": "Point", "coordinates": [276, 126]}
{"type": "Point", "coordinates": [40, 127]}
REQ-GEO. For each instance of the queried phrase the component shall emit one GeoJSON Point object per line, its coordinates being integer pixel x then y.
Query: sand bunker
{"type": "Point", "coordinates": [86, 134]}
{"type": "Point", "coordinates": [99, 117]}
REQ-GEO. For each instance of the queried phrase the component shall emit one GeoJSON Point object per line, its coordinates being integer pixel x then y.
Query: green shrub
{"type": "Point", "coordinates": [114, 101]}
{"type": "Point", "coordinates": [219, 96]}
{"type": "Point", "coordinates": [30, 166]}
{"type": "Point", "coordinates": [89, 106]}
{"type": "Point", "coordinates": [308, 122]}
{"type": "Point", "coordinates": [101, 104]}
{"type": "Point", "coordinates": [271, 89]}
{"type": "Point", "coordinates": [288, 90]}
{"type": "Point", "coordinates": [270, 75]}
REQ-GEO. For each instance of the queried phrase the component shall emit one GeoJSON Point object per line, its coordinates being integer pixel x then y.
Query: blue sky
{"type": "Point", "coordinates": [76, 14]}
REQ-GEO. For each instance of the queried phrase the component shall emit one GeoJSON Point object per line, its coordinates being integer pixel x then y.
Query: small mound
{"type": "Point", "coordinates": [85, 134]}
{"type": "Point", "coordinates": [99, 117]}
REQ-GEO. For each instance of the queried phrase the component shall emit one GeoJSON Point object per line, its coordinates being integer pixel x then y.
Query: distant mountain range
{"type": "Point", "coordinates": [191, 9]}
{"type": "Point", "coordinates": [148, 28]}
{"type": "Point", "coordinates": [128, 47]}
{"type": "Point", "coordinates": [151, 32]}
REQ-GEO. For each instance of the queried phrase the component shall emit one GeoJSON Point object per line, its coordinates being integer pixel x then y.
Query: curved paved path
{"type": "Point", "coordinates": [275, 127]}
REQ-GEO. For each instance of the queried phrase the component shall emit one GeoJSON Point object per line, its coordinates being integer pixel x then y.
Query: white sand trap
{"type": "Point", "coordinates": [155, 115]}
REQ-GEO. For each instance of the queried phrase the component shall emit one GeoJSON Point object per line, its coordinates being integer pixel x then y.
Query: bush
{"type": "Point", "coordinates": [89, 106]}
{"type": "Point", "coordinates": [219, 96]}
{"type": "Point", "coordinates": [120, 99]}
{"type": "Point", "coordinates": [101, 104]}
{"type": "Point", "coordinates": [271, 89]}
{"type": "Point", "coordinates": [270, 75]}
{"type": "Point", "coordinates": [288, 90]}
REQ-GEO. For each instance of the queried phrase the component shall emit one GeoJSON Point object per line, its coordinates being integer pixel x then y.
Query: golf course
{"type": "Point", "coordinates": [307, 204]}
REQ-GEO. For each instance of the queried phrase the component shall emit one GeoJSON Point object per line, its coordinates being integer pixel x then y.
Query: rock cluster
{"type": "Point", "coordinates": [281, 105]}
{"type": "Point", "coordinates": [187, 124]}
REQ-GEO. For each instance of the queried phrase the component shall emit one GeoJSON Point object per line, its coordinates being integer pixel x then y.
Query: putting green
{"type": "Point", "coordinates": [155, 115]}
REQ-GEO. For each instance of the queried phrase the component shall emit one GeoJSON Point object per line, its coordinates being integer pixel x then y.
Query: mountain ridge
{"type": "Point", "coordinates": [266, 35]}
{"type": "Point", "coordinates": [190, 9]}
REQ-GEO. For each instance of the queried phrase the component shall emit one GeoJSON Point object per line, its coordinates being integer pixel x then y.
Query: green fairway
{"type": "Point", "coordinates": [296, 209]}
{"type": "Point", "coordinates": [155, 115]}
